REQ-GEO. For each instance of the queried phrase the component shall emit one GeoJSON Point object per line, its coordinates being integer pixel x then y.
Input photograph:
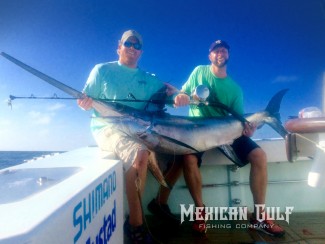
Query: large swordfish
{"type": "Point", "coordinates": [170, 134]}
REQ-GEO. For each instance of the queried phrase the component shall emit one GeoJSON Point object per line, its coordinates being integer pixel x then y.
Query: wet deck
{"type": "Point", "coordinates": [303, 228]}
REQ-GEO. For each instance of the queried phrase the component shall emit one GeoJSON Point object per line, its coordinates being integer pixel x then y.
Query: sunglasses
{"type": "Point", "coordinates": [136, 46]}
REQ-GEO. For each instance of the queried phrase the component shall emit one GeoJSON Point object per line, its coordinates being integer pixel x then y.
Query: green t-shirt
{"type": "Point", "coordinates": [113, 80]}
{"type": "Point", "coordinates": [222, 90]}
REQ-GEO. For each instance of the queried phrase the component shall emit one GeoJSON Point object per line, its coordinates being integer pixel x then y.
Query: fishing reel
{"type": "Point", "coordinates": [199, 96]}
{"type": "Point", "coordinates": [201, 93]}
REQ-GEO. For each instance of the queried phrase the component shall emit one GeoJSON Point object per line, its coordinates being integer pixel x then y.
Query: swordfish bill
{"type": "Point", "coordinates": [61, 86]}
{"type": "Point", "coordinates": [69, 90]}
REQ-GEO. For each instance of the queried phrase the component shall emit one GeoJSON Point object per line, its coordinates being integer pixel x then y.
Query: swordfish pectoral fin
{"type": "Point", "coordinates": [156, 171]}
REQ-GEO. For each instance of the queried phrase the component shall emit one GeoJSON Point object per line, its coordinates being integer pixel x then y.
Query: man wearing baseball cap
{"type": "Point", "coordinates": [225, 90]}
{"type": "Point", "coordinates": [219, 43]}
{"type": "Point", "coordinates": [127, 34]}
{"type": "Point", "coordinates": [116, 80]}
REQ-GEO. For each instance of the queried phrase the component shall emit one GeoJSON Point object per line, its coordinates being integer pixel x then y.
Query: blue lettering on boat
{"type": "Point", "coordinates": [87, 209]}
{"type": "Point", "coordinates": [107, 229]}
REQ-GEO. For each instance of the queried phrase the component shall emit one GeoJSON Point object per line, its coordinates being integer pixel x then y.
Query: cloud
{"type": "Point", "coordinates": [44, 133]}
{"type": "Point", "coordinates": [56, 106]}
{"type": "Point", "coordinates": [285, 79]}
{"type": "Point", "coordinates": [39, 118]}
{"type": "Point", "coordinates": [5, 122]}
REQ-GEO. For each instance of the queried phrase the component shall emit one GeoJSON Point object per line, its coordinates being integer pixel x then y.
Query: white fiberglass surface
{"type": "Point", "coordinates": [17, 184]}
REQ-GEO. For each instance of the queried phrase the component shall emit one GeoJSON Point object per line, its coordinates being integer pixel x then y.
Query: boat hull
{"type": "Point", "coordinates": [73, 197]}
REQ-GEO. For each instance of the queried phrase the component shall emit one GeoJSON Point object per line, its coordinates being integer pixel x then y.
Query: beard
{"type": "Point", "coordinates": [221, 63]}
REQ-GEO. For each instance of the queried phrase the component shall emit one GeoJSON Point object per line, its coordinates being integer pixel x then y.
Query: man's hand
{"type": "Point", "coordinates": [249, 129]}
{"type": "Point", "coordinates": [181, 99]}
{"type": "Point", "coordinates": [85, 102]}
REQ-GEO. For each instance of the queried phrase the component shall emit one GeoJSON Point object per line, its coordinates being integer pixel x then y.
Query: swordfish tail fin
{"type": "Point", "coordinates": [274, 104]}
{"type": "Point", "coordinates": [273, 109]}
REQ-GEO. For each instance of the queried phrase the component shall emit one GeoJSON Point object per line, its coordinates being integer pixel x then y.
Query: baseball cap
{"type": "Point", "coordinates": [130, 33]}
{"type": "Point", "coordinates": [218, 43]}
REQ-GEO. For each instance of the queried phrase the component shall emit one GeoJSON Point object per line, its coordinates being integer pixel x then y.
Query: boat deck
{"type": "Point", "coordinates": [303, 228]}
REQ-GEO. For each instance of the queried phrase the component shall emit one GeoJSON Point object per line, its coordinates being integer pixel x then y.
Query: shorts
{"type": "Point", "coordinates": [126, 148]}
{"type": "Point", "coordinates": [242, 146]}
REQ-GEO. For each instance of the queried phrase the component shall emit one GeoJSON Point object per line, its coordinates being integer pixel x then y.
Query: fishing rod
{"type": "Point", "coordinates": [12, 97]}
{"type": "Point", "coordinates": [79, 95]}
{"type": "Point", "coordinates": [154, 101]}
{"type": "Point", "coordinates": [54, 97]}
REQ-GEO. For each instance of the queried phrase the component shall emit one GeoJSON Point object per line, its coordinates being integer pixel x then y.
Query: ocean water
{"type": "Point", "coordinates": [11, 158]}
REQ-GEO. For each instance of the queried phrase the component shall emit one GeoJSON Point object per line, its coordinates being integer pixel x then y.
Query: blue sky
{"type": "Point", "coordinates": [274, 45]}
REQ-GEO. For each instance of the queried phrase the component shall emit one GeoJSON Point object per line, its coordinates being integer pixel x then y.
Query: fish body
{"type": "Point", "coordinates": [179, 135]}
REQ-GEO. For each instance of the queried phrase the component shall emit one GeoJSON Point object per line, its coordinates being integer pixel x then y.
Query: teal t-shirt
{"type": "Point", "coordinates": [223, 90]}
{"type": "Point", "coordinates": [113, 80]}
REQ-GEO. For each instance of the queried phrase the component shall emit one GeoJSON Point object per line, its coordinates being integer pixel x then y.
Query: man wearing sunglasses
{"type": "Point", "coordinates": [120, 80]}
